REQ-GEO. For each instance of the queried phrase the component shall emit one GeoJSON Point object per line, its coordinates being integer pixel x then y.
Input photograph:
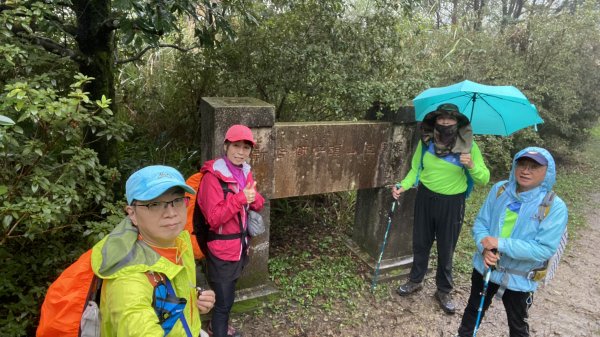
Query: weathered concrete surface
{"type": "Point", "coordinates": [373, 206]}
{"type": "Point", "coordinates": [369, 231]}
{"type": "Point", "coordinates": [324, 157]}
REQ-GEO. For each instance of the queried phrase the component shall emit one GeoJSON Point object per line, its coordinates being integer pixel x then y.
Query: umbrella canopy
{"type": "Point", "coordinates": [492, 110]}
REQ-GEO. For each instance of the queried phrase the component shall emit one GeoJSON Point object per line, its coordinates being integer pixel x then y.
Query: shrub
{"type": "Point", "coordinates": [55, 197]}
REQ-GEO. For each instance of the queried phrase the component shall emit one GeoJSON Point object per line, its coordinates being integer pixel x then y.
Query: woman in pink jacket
{"type": "Point", "coordinates": [226, 194]}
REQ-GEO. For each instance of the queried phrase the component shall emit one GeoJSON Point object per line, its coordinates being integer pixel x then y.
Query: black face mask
{"type": "Point", "coordinates": [446, 134]}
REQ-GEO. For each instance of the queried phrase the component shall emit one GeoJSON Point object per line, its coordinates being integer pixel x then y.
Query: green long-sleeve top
{"type": "Point", "coordinates": [443, 177]}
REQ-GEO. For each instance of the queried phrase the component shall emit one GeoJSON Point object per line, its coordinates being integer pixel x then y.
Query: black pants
{"type": "Point", "coordinates": [437, 217]}
{"type": "Point", "coordinates": [224, 297]}
{"type": "Point", "coordinates": [222, 278]}
{"type": "Point", "coordinates": [516, 304]}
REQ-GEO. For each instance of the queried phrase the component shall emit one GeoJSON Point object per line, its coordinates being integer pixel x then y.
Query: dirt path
{"type": "Point", "coordinates": [569, 306]}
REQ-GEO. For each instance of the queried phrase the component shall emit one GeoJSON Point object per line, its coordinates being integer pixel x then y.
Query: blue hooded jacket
{"type": "Point", "coordinates": [531, 242]}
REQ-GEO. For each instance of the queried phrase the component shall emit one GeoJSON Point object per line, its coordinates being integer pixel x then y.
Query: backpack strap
{"type": "Point", "coordinates": [182, 317]}
{"type": "Point", "coordinates": [470, 182]}
{"type": "Point", "coordinates": [242, 234]}
{"type": "Point", "coordinates": [158, 279]}
{"type": "Point", "coordinates": [544, 207]}
{"type": "Point", "coordinates": [216, 236]}
{"type": "Point", "coordinates": [94, 291]}
{"type": "Point", "coordinates": [90, 317]}
{"type": "Point", "coordinates": [225, 188]}
{"type": "Point", "coordinates": [504, 282]}
{"type": "Point", "coordinates": [423, 150]}
{"type": "Point", "coordinates": [501, 189]}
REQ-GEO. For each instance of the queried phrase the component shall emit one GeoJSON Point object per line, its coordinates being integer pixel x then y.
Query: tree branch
{"type": "Point", "coordinates": [51, 46]}
{"type": "Point", "coordinates": [64, 4]}
{"type": "Point", "coordinates": [139, 55]}
{"type": "Point", "coordinates": [62, 26]}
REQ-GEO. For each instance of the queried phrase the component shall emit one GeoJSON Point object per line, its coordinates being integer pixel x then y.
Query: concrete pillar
{"type": "Point", "coordinates": [373, 206]}
{"type": "Point", "coordinates": [217, 115]}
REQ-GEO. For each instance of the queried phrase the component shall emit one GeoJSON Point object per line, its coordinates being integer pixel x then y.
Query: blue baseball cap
{"type": "Point", "coordinates": [152, 181]}
{"type": "Point", "coordinates": [535, 156]}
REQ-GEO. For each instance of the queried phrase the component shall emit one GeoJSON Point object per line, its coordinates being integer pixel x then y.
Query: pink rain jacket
{"type": "Point", "coordinates": [222, 214]}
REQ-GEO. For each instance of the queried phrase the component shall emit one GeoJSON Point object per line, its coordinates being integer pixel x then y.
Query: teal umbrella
{"type": "Point", "coordinates": [492, 110]}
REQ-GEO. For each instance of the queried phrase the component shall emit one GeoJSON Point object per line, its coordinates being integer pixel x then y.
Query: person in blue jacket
{"type": "Point", "coordinates": [513, 239]}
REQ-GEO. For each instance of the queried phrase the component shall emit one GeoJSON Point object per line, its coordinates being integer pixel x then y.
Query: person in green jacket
{"type": "Point", "coordinates": [145, 253]}
{"type": "Point", "coordinates": [446, 163]}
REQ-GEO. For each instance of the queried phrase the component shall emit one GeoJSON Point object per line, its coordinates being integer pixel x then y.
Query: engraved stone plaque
{"type": "Point", "coordinates": [324, 157]}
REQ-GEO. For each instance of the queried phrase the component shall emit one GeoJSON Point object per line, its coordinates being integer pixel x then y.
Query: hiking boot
{"type": "Point", "coordinates": [446, 303]}
{"type": "Point", "coordinates": [231, 331]}
{"type": "Point", "coordinates": [409, 288]}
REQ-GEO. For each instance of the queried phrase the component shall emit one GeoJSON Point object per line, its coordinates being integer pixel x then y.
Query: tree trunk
{"type": "Point", "coordinates": [478, 9]}
{"type": "Point", "coordinates": [518, 9]}
{"type": "Point", "coordinates": [95, 41]}
{"type": "Point", "coordinates": [504, 14]}
{"type": "Point", "coordinates": [454, 15]}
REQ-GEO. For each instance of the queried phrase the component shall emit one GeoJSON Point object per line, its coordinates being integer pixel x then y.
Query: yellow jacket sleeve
{"type": "Point", "coordinates": [128, 302]}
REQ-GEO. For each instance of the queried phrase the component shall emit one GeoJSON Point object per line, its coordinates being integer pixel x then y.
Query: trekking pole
{"type": "Point", "coordinates": [387, 230]}
{"type": "Point", "coordinates": [486, 282]}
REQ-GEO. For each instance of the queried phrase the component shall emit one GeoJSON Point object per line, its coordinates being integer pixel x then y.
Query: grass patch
{"type": "Point", "coordinates": [309, 262]}
{"type": "Point", "coordinates": [308, 280]}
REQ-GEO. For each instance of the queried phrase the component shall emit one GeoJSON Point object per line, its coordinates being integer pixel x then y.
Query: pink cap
{"type": "Point", "coordinates": [239, 132]}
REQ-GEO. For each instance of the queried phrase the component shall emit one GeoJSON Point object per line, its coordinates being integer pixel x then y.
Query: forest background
{"type": "Point", "coordinates": [94, 89]}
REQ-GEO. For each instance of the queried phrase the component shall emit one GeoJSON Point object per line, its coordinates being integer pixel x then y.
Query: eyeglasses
{"type": "Point", "coordinates": [158, 206]}
{"type": "Point", "coordinates": [529, 166]}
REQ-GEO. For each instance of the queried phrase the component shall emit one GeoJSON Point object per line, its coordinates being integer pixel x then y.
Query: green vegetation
{"type": "Point", "coordinates": [578, 181]}
{"type": "Point", "coordinates": [53, 190]}
{"type": "Point", "coordinates": [306, 256]}
{"type": "Point", "coordinates": [96, 37]}
{"type": "Point", "coordinates": [66, 144]}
